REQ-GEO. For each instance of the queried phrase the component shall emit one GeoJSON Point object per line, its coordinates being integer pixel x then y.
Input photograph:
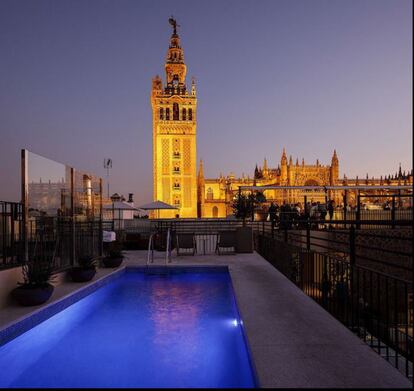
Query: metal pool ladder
{"type": "Point", "coordinates": [150, 255]}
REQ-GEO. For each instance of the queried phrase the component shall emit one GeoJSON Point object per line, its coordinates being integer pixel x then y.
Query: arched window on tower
{"type": "Point", "coordinates": [176, 112]}
{"type": "Point", "coordinates": [167, 113]}
{"type": "Point", "coordinates": [184, 114]}
{"type": "Point", "coordinates": [210, 194]}
{"type": "Point", "coordinates": [215, 211]}
{"type": "Point", "coordinates": [190, 114]}
{"type": "Point", "coordinates": [161, 113]}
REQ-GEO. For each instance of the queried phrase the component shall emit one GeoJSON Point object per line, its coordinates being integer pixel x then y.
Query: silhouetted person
{"type": "Point", "coordinates": [331, 209]}
{"type": "Point", "coordinates": [272, 212]}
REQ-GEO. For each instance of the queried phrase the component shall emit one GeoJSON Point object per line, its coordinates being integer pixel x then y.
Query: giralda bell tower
{"type": "Point", "coordinates": [174, 119]}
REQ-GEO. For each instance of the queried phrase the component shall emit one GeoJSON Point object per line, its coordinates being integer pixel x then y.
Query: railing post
{"type": "Point", "coordinates": [352, 254]}
{"type": "Point", "coordinates": [305, 205]}
{"type": "Point", "coordinates": [308, 242]}
{"type": "Point", "coordinates": [25, 202]}
{"type": "Point", "coordinates": [393, 212]}
{"type": "Point", "coordinates": [345, 204]}
{"type": "Point", "coordinates": [358, 213]}
{"type": "Point", "coordinates": [72, 218]}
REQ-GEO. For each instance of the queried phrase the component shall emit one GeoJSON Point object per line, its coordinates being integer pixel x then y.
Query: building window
{"type": "Point", "coordinates": [184, 115]}
{"type": "Point", "coordinates": [215, 211]}
{"type": "Point", "coordinates": [210, 194]}
{"type": "Point", "coordinates": [161, 113]}
{"type": "Point", "coordinates": [190, 114]}
{"type": "Point", "coordinates": [167, 113]}
{"type": "Point", "coordinates": [176, 149]}
{"type": "Point", "coordinates": [175, 112]}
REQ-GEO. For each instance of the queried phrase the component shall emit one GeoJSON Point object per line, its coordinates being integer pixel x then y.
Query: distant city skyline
{"type": "Point", "coordinates": [310, 76]}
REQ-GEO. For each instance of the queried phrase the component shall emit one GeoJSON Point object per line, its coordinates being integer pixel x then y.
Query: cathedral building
{"type": "Point", "coordinates": [216, 195]}
{"type": "Point", "coordinates": [176, 182]}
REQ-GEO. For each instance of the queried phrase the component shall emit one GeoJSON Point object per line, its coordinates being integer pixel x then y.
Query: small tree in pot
{"type": "Point", "coordinates": [85, 270]}
{"type": "Point", "coordinates": [114, 255]}
{"type": "Point", "coordinates": [36, 288]}
{"type": "Point", "coordinates": [243, 207]}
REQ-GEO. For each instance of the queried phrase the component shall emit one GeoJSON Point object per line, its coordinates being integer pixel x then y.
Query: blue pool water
{"type": "Point", "coordinates": [176, 330]}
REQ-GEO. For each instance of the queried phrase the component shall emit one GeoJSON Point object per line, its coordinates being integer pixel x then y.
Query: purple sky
{"type": "Point", "coordinates": [75, 79]}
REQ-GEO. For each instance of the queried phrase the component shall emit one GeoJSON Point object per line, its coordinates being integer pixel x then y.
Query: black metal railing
{"type": "Point", "coordinates": [206, 231]}
{"type": "Point", "coordinates": [68, 238]}
{"type": "Point", "coordinates": [376, 306]}
{"type": "Point", "coordinates": [11, 234]}
{"type": "Point", "coordinates": [388, 251]}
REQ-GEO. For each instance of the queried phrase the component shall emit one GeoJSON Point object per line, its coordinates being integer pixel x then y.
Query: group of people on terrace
{"type": "Point", "coordinates": [287, 214]}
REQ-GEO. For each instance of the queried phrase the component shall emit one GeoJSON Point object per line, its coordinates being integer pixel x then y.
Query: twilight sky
{"type": "Point", "coordinates": [310, 75]}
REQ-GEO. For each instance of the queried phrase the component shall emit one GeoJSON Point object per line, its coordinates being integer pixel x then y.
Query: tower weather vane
{"type": "Point", "coordinates": [173, 23]}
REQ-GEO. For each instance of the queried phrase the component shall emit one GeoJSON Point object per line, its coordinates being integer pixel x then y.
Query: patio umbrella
{"type": "Point", "coordinates": [157, 205]}
{"type": "Point", "coordinates": [120, 205]}
{"type": "Point", "coordinates": [117, 207]}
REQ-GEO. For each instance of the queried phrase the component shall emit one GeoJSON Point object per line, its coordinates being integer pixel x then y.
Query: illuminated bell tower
{"type": "Point", "coordinates": [174, 135]}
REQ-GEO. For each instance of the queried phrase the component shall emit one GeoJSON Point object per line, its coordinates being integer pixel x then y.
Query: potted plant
{"type": "Point", "coordinates": [85, 270]}
{"type": "Point", "coordinates": [243, 207]}
{"type": "Point", "coordinates": [36, 288]}
{"type": "Point", "coordinates": [114, 255]}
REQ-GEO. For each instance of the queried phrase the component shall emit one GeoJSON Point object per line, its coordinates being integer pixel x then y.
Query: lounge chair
{"type": "Point", "coordinates": [185, 241]}
{"type": "Point", "coordinates": [226, 239]}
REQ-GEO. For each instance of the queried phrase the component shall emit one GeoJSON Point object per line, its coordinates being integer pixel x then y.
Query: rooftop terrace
{"type": "Point", "coordinates": [293, 341]}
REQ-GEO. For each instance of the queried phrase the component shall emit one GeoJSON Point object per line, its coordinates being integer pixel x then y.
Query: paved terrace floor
{"type": "Point", "coordinates": [293, 341]}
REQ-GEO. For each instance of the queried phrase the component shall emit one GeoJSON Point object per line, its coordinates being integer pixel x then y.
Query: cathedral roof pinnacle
{"type": "Point", "coordinates": [284, 159]}
{"type": "Point", "coordinates": [334, 158]}
{"type": "Point", "coordinates": [201, 170]}
{"type": "Point", "coordinates": [265, 164]}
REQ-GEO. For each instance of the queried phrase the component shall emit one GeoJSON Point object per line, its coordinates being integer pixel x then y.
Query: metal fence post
{"type": "Point", "coordinates": [393, 212]}
{"type": "Point", "coordinates": [352, 254]}
{"type": "Point", "coordinates": [100, 218]}
{"type": "Point", "coordinates": [72, 217]}
{"type": "Point", "coordinates": [25, 202]}
{"type": "Point", "coordinates": [308, 242]}
{"type": "Point", "coordinates": [358, 213]}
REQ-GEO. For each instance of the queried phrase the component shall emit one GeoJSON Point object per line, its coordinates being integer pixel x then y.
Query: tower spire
{"type": "Point", "coordinates": [175, 68]}
{"type": "Point", "coordinates": [201, 170]}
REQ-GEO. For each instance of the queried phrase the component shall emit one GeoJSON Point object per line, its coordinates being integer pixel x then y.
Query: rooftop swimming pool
{"type": "Point", "coordinates": [180, 329]}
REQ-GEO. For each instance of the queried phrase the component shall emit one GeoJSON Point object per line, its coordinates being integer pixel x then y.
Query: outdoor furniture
{"type": "Point", "coordinates": [226, 239]}
{"type": "Point", "coordinates": [186, 241]}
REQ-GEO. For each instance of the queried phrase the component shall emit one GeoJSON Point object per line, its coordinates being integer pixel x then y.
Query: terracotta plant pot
{"type": "Point", "coordinates": [112, 262]}
{"type": "Point", "coordinates": [28, 295]}
{"type": "Point", "coordinates": [81, 274]}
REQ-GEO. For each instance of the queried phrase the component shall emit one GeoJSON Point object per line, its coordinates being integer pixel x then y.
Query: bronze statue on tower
{"type": "Point", "coordinates": [173, 23]}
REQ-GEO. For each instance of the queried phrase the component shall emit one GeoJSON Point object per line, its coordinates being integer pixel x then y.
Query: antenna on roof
{"type": "Point", "coordinates": [107, 165]}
